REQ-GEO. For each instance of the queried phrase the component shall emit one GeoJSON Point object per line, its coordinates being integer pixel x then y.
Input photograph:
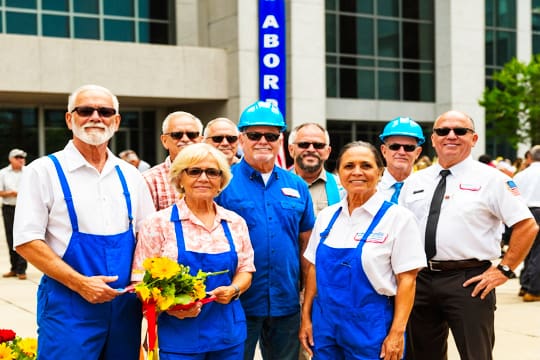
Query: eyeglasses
{"type": "Point", "coordinates": [256, 136]}
{"type": "Point", "coordinates": [406, 147]}
{"type": "Point", "coordinates": [177, 135]}
{"type": "Point", "coordinates": [219, 138]}
{"type": "Point", "coordinates": [19, 157]}
{"type": "Point", "coordinates": [306, 145]}
{"type": "Point", "coordinates": [458, 131]}
{"type": "Point", "coordinates": [196, 172]}
{"type": "Point", "coordinates": [89, 110]}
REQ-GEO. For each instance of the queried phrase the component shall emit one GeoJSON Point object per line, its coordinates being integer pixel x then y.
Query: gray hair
{"type": "Point", "coordinates": [91, 87]}
{"type": "Point", "coordinates": [217, 120]}
{"type": "Point", "coordinates": [535, 153]}
{"type": "Point", "coordinates": [175, 114]}
{"type": "Point", "coordinates": [294, 132]}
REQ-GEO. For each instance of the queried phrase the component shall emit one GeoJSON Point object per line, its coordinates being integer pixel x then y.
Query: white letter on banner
{"type": "Point", "coordinates": [271, 40]}
{"type": "Point", "coordinates": [270, 21]}
{"type": "Point", "coordinates": [270, 81]}
{"type": "Point", "coordinates": [271, 60]}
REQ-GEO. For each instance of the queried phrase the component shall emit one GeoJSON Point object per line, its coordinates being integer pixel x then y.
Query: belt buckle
{"type": "Point", "coordinates": [430, 265]}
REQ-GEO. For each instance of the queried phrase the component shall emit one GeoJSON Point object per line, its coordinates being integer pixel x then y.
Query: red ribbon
{"type": "Point", "coordinates": [149, 309]}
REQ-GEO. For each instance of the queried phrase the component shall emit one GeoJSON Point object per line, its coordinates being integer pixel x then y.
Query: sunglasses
{"type": "Point", "coordinates": [406, 147]}
{"type": "Point", "coordinates": [196, 172]}
{"type": "Point", "coordinates": [89, 110]}
{"type": "Point", "coordinates": [306, 145]}
{"type": "Point", "coordinates": [256, 136]}
{"type": "Point", "coordinates": [219, 138]}
{"type": "Point", "coordinates": [458, 131]}
{"type": "Point", "coordinates": [177, 135]}
{"type": "Point", "coordinates": [19, 157]}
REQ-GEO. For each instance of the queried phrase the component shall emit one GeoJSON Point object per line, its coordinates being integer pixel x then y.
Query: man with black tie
{"type": "Point", "coordinates": [459, 204]}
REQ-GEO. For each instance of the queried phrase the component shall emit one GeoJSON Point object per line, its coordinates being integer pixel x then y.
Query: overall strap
{"type": "Point", "coordinates": [67, 193]}
{"type": "Point", "coordinates": [332, 190]}
{"type": "Point", "coordinates": [126, 193]}
{"type": "Point", "coordinates": [378, 216]}
{"type": "Point", "coordinates": [178, 229]}
{"type": "Point", "coordinates": [326, 231]}
{"type": "Point", "coordinates": [228, 235]}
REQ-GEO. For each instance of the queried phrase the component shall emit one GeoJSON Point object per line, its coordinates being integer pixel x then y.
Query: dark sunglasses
{"type": "Point", "coordinates": [406, 147]}
{"type": "Point", "coordinates": [177, 135]}
{"type": "Point", "coordinates": [19, 157]}
{"type": "Point", "coordinates": [211, 173]}
{"type": "Point", "coordinates": [256, 136]}
{"type": "Point", "coordinates": [89, 110]}
{"type": "Point", "coordinates": [219, 138]}
{"type": "Point", "coordinates": [306, 145]}
{"type": "Point", "coordinates": [458, 131]}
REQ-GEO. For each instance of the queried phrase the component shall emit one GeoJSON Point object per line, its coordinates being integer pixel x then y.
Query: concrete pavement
{"type": "Point", "coordinates": [517, 324]}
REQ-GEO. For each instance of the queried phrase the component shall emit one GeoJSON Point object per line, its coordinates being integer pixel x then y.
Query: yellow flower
{"type": "Point", "coordinates": [164, 268]}
{"type": "Point", "coordinates": [5, 352]}
{"type": "Point", "coordinates": [143, 291]}
{"type": "Point", "coordinates": [28, 346]}
{"type": "Point", "coordinates": [199, 289]}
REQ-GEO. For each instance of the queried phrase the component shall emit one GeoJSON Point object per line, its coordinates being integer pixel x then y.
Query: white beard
{"type": "Point", "coordinates": [93, 137]}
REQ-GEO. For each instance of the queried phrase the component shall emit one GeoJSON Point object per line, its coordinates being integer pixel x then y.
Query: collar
{"type": "Point", "coordinates": [321, 177]}
{"type": "Point", "coordinates": [456, 169]}
{"type": "Point", "coordinates": [74, 160]}
{"type": "Point", "coordinates": [372, 205]}
{"type": "Point", "coordinates": [184, 213]}
{"type": "Point", "coordinates": [387, 180]}
{"type": "Point", "coordinates": [249, 172]}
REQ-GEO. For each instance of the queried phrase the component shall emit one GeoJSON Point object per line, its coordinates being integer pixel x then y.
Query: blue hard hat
{"type": "Point", "coordinates": [262, 113]}
{"type": "Point", "coordinates": [403, 126]}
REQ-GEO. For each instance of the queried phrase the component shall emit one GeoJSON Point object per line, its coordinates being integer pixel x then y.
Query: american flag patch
{"type": "Point", "coordinates": [512, 187]}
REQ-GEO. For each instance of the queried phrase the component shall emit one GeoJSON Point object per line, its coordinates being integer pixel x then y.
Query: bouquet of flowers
{"type": "Point", "coordinates": [167, 285]}
{"type": "Point", "coordinates": [13, 347]}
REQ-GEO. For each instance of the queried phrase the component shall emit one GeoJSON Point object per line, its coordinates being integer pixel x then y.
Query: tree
{"type": "Point", "coordinates": [512, 106]}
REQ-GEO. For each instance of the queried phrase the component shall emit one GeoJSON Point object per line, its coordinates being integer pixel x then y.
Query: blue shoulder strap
{"type": "Point", "coordinates": [332, 191]}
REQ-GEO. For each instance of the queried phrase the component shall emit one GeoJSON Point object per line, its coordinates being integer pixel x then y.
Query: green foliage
{"type": "Point", "coordinates": [512, 106]}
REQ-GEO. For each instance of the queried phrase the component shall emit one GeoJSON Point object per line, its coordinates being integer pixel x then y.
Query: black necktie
{"type": "Point", "coordinates": [433, 217]}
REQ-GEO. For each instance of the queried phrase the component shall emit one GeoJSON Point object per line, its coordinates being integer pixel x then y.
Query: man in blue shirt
{"type": "Point", "coordinates": [278, 210]}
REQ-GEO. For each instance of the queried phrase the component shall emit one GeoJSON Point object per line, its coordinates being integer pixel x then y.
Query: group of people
{"type": "Point", "coordinates": [375, 261]}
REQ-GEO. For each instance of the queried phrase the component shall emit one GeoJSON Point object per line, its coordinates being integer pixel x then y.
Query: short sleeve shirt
{"type": "Point", "coordinates": [276, 213]}
{"type": "Point", "coordinates": [98, 198]}
{"type": "Point", "coordinates": [528, 182]}
{"type": "Point", "coordinates": [162, 191]}
{"type": "Point", "coordinates": [393, 247]}
{"type": "Point", "coordinates": [9, 181]}
{"type": "Point", "coordinates": [478, 197]}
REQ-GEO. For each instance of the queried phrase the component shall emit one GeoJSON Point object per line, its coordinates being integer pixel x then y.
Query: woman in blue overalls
{"type": "Point", "coordinates": [364, 254]}
{"type": "Point", "coordinates": [207, 237]}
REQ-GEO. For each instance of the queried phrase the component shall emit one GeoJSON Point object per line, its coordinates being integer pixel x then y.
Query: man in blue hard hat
{"type": "Point", "coordinates": [278, 210]}
{"type": "Point", "coordinates": [402, 138]}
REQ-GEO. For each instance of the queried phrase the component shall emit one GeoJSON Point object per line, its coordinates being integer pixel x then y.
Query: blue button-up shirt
{"type": "Point", "coordinates": [275, 214]}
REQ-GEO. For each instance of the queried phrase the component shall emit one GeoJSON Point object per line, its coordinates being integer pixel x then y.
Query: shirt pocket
{"type": "Point", "coordinates": [246, 209]}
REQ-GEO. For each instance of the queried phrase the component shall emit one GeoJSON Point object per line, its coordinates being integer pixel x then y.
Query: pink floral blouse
{"type": "Point", "coordinates": [157, 237]}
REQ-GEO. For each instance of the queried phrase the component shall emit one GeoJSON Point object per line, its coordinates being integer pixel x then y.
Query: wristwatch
{"type": "Point", "coordinates": [236, 295]}
{"type": "Point", "coordinates": [505, 269]}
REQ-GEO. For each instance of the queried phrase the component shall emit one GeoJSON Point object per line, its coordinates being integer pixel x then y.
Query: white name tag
{"type": "Point", "coordinates": [290, 192]}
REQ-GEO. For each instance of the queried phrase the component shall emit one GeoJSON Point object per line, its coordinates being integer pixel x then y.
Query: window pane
{"type": "Point", "coordinates": [154, 9]}
{"type": "Point", "coordinates": [417, 41]}
{"type": "Point", "coordinates": [489, 12]}
{"type": "Point", "coordinates": [86, 6]}
{"type": "Point", "coordinates": [54, 25]}
{"type": "Point", "coordinates": [490, 46]}
{"type": "Point", "coordinates": [506, 14]}
{"type": "Point", "coordinates": [418, 9]}
{"type": "Point", "coordinates": [24, 4]}
{"type": "Point", "coordinates": [155, 33]}
{"type": "Point", "coordinates": [331, 82]}
{"type": "Point", "coordinates": [347, 78]}
{"type": "Point", "coordinates": [356, 6]}
{"type": "Point", "coordinates": [506, 47]}
{"type": "Point", "coordinates": [86, 28]}
{"type": "Point", "coordinates": [536, 44]}
{"type": "Point", "coordinates": [331, 33]}
{"type": "Point", "coordinates": [21, 23]}
{"type": "Point", "coordinates": [388, 8]}
{"type": "Point", "coordinates": [347, 34]}
{"type": "Point", "coordinates": [366, 84]}
{"type": "Point", "coordinates": [364, 30]}
{"type": "Point", "coordinates": [388, 85]}
{"type": "Point", "coordinates": [388, 38]}
{"type": "Point", "coordinates": [58, 5]}
{"type": "Point", "coordinates": [118, 8]}
{"type": "Point", "coordinates": [20, 127]}
{"type": "Point", "coordinates": [330, 4]}
{"type": "Point", "coordinates": [119, 30]}
{"type": "Point", "coordinates": [56, 132]}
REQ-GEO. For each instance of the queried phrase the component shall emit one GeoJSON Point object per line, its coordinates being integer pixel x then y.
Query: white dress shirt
{"type": "Point", "coordinates": [98, 198]}
{"type": "Point", "coordinates": [528, 182]}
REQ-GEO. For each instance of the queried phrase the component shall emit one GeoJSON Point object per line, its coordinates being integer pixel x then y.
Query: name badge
{"type": "Point", "coordinates": [290, 192]}
{"type": "Point", "coordinates": [375, 237]}
{"type": "Point", "coordinates": [470, 187]}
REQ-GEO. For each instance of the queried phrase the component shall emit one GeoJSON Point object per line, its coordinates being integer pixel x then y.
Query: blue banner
{"type": "Point", "coordinates": [272, 53]}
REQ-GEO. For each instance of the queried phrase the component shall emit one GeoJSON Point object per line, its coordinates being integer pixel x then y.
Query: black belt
{"type": "Point", "coordinates": [449, 265]}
